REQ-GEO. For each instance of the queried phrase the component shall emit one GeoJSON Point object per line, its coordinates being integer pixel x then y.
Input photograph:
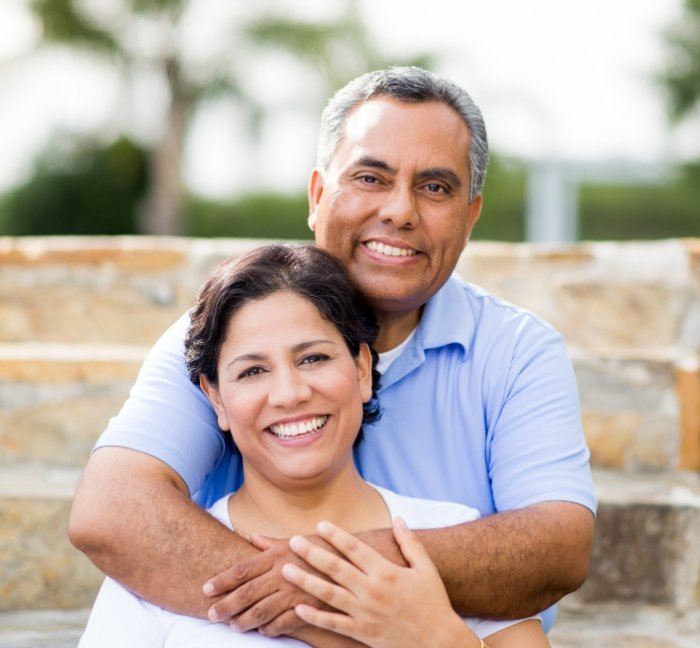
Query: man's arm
{"type": "Point", "coordinates": [133, 518]}
{"type": "Point", "coordinates": [509, 565]}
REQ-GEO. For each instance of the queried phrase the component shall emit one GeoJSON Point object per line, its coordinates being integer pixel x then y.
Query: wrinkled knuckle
{"type": "Point", "coordinates": [352, 545]}
{"type": "Point", "coordinates": [257, 615]}
{"type": "Point", "coordinates": [244, 597]}
{"type": "Point", "coordinates": [239, 572]}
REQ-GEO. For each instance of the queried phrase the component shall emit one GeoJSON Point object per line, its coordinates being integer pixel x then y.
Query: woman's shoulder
{"type": "Point", "coordinates": [422, 513]}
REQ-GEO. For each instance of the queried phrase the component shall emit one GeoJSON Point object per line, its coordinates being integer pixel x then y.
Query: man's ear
{"type": "Point", "coordinates": [214, 397]}
{"type": "Point", "coordinates": [473, 213]}
{"type": "Point", "coordinates": [315, 193]}
{"type": "Point", "coordinates": [364, 372]}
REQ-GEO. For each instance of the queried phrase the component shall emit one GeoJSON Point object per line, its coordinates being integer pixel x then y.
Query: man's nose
{"type": "Point", "coordinates": [288, 389]}
{"type": "Point", "coordinates": [401, 208]}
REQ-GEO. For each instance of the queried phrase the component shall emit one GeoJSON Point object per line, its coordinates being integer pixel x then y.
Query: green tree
{"type": "Point", "coordinates": [682, 78]}
{"type": "Point", "coordinates": [92, 189]}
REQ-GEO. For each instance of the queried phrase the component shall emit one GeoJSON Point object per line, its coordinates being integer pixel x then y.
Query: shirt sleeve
{"type": "Point", "coordinates": [167, 416]}
{"type": "Point", "coordinates": [119, 618]}
{"type": "Point", "coordinates": [536, 450]}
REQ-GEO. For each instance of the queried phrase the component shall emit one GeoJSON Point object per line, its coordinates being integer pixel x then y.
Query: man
{"type": "Point", "coordinates": [479, 399]}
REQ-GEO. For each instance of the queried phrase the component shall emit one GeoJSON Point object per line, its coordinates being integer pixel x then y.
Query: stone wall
{"type": "Point", "coordinates": [77, 316]}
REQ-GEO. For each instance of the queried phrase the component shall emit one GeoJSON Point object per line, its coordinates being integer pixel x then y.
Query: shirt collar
{"type": "Point", "coordinates": [447, 318]}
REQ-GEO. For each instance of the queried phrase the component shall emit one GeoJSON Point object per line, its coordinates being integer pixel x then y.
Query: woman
{"type": "Point", "coordinates": [280, 342]}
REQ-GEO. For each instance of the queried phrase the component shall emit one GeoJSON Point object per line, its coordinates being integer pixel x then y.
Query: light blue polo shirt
{"type": "Point", "coordinates": [481, 408]}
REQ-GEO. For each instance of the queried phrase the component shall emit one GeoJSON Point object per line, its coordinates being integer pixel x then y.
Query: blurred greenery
{"type": "Point", "coordinates": [89, 187]}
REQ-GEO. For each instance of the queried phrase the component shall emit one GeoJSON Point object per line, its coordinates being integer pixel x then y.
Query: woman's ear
{"type": "Point", "coordinates": [215, 398]}
{"type": "Point", "coordinates": [364, 372]}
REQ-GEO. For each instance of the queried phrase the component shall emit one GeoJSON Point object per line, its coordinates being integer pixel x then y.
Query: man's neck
{"type": "Point", "coordinates": [394, 328]}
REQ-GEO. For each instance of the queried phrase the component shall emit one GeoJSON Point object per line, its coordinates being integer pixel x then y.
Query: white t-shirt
{"type": "Point", "coordinates": [387, 357]}
{"type": "Point", "coordinates": [120, 618]}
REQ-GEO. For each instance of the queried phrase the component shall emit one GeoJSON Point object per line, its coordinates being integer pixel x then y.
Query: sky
{"type": "Point", "coordinates": [565, 80]}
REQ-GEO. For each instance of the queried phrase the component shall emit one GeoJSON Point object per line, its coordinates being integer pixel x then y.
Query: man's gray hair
{"type": "Point", "coordinates": [412, 85]}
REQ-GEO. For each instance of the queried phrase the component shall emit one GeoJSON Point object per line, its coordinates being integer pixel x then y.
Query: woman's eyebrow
{"type": "Point", "coordinates": [257, 357]}
{"type": "Point", "coordinates": [302, 346]}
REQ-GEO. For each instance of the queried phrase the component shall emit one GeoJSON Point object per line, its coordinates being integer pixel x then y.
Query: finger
{"type": "Point", "coordinates": [235, 576]}
{"type": "Point", "coordinates": [284, 624]}
{"type": "Point", "coordinates": [243, 598]}
{"type": "Point", "coordinates": [330, 593]}
{"type": "Point", "coordinates": [261, 541]}
{"type": "Point", "coordinates": [261, 613]}
{"type": "Point", "coordinates": [325, 562]}
{"type": "Point", "coordinates": [357, 552]}
{"type": "Point", "coordinates": [333, 621]}
{"type": "Point", "coordinates": [411, 547]}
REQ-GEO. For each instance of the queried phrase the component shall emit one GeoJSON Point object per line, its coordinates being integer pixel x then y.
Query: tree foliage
{"type": "Point", "coordinates": [682, 78]}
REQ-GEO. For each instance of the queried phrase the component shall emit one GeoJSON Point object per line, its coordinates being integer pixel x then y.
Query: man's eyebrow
{"type": "Point", "coordinates": [257, 357]}
{"type": "Point", "coordinates": [375, 163]}
{"type": "Point", "coordinates": [441, 173]}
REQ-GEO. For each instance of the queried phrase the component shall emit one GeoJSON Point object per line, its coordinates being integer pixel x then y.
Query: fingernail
{"type": "Point", "coordinates": [400, 522]}
{"type": "Point", "coordinates": [296, 542]}
{"type": "Point", "coordinates": [213, 616]}
{"type": "Point", "coordinates": [261, 631]}
{"type": "Point", "coordinates": [288, 570]}
{"type": "Point", "coordinates": [208, 588]}
{"type": "Point", "coordinates": [323, 527]}
{"type": "Point", "coordinates": [234, 627]}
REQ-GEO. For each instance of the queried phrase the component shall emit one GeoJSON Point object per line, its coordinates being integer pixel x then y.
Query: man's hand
{"type": "Point", "coordinates": [258, 596]}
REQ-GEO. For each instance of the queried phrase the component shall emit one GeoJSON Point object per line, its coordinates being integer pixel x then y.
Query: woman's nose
{"type": "Point", "coordinates": [288, 389]}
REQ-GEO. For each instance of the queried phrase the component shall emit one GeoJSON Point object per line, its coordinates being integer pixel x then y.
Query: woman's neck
{"type": "Point", "coordinates": [282, 510]}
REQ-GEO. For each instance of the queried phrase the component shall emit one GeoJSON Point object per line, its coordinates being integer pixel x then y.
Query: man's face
{"type": "Point", "coordinates": [393, 205]}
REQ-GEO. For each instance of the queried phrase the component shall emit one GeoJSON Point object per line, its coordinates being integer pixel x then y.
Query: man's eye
{"type": "Point", "coordinates": [434, 187]}
{"type": "Point", "coordinates": [368, 179]}
{"type": "Point", "coordinates": [250, 372]}
{"type": "Point", "coordinates": [314, 358]}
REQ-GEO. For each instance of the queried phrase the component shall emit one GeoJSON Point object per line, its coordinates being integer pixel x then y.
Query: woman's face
{"type": "Point", "coordinates": [289, 391]}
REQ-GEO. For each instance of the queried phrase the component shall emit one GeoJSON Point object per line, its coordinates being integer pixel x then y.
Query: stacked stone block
{"type": "Point", "coordinates": [77, 316]}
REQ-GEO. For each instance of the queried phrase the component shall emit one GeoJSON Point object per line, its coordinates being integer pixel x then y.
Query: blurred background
{"type": "Point", "coordinates": [199, 117]}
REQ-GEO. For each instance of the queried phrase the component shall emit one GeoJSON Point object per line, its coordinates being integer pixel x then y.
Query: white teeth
{"type": "Point", "coordinates": [389, 250]}
{"type": "Point", "coordinates": [287, 431]}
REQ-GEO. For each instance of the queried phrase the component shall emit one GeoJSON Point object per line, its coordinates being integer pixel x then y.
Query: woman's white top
{"type": "Point", "coordinates": [120, 618]}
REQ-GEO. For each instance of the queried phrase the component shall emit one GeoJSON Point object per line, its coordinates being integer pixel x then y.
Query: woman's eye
{"type": "Point", "coordinates": [314, 358]}
{"type": "Point", "coordinates": [250, 372]}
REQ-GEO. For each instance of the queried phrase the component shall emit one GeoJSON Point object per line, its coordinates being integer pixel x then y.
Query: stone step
{"type": "Point", "coordinates": [645, 552]}
{"type": "Point", "coordinates": [124, 290]}
{"type": "Point", "coordinates": [55, 399]}
{"type": "Point", "coordinates": [128, 289]}
{"type": "Point", "coordinates": [39, 568]}
{"type": "Point", "coordinates": [646, 547]}
{"type": "Point", "coordinates": [640, 407]}
{"type": "Point", "coordinates": [615, 625]}
{"type": "Point", "coordinates": [42, 628]}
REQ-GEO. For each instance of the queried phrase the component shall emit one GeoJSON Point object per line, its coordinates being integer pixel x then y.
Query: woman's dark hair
{"type": "Point", "coordinates": [302, 269]}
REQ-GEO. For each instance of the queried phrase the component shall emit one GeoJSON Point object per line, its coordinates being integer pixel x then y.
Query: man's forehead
{"type": "Point", "coordinates": [383, 128]}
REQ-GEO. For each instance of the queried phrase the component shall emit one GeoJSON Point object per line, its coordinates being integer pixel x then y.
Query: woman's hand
{"type": "Point", "coordinates": [379, 603]}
